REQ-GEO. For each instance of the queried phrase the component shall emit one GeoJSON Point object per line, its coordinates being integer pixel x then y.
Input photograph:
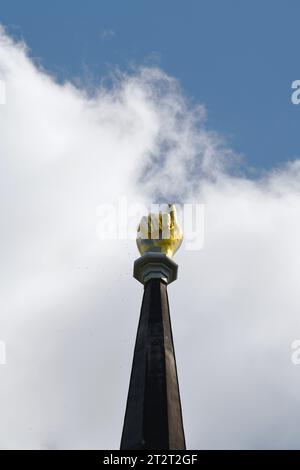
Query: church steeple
{"type": "Point", "coordinates": [153, 418]}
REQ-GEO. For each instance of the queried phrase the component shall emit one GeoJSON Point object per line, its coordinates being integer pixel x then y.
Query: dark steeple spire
{"type": "Point", "coordinates": [153, 418]}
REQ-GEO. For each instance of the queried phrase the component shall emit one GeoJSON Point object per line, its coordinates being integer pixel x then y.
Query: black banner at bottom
{"type": "Point", "coordinates": [132, 459]}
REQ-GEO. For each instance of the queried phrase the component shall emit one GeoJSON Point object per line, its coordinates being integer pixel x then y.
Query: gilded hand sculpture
{"type": "Point", "coordinates": [160, 233]}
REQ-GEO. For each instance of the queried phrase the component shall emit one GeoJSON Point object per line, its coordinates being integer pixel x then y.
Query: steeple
{"type": "Point", "coordinates": [153, 418]}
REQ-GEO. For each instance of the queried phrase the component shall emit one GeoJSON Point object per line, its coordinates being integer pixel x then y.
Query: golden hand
{"type": "Point", "coordinates": [160, 232]}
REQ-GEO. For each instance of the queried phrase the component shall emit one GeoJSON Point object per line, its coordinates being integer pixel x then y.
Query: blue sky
{"type": "Point", "coordinates": [238, 58]}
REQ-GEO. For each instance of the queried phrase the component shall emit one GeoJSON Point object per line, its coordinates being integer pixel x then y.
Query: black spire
{"type": "Point", "coordinates": [153, 418]}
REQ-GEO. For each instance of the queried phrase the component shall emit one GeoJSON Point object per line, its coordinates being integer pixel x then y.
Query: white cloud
{"type": "Point", "coordinates": [69, 304]}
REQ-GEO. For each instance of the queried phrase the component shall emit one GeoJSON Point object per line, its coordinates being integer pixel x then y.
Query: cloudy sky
{"type": "Point", "coordinates": [174, 103]}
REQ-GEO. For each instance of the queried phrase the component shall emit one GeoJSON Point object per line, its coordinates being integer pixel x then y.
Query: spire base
{"type": "Point", "coordinates": [155, 265]}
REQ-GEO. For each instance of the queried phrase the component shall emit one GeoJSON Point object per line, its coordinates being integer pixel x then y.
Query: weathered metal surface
{"type": "Point", "coordinates": [153, 418]}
